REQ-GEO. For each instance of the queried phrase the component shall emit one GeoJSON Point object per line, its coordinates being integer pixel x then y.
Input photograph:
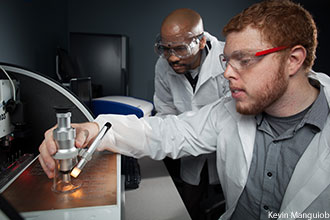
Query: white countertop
{"type": "Point", "coordinates": [156, 198]}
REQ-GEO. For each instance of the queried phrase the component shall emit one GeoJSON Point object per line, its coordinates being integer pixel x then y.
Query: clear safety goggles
{"type": "Point", "coordinates": [241, 60]}
{"type": "Point", "coordinates": [184, 47]}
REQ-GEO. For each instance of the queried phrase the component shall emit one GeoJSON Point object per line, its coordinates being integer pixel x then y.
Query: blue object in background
{"type": "Point", "coordinates": [111, 107]}
{"type": "Point", "coordinates": [122, 105]}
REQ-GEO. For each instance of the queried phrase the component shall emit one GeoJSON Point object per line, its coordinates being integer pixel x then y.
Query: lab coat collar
{"type": "Point", "coordinates": [246, 125]}
{"type": "Point", "coordinates": [312, 173]}
{"type": "Point", "coordinates": [209, 68]}
{"type": "Point", "coordinates": [324, 80]}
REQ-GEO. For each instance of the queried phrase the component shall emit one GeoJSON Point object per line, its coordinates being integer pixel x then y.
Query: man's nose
{"type": "Point", "coordinates": [172, 58]}
{"type": "Point", "coordinates": [230, 72]}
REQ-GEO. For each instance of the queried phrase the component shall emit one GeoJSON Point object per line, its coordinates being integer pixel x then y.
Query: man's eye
{"type": "Point", "coordinates": [244, 62]}
{"type": "Point", "coordinates": [180, 48]}
{"type": "Point", "coordinates": [163, 48]}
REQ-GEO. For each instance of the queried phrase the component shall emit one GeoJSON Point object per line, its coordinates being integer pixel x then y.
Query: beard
{"type": "Point", "coordinates": [269, 94]}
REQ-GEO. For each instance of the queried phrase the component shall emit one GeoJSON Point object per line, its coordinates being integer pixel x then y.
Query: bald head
{"type": "Point", "coordinates": [180, 22]}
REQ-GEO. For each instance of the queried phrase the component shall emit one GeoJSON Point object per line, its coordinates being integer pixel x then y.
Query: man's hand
{"type": "Point", "coordinates": [85, 134]}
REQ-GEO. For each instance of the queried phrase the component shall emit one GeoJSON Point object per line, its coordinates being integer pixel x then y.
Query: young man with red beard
{"type": "Point", "coordinates": [271, 137]}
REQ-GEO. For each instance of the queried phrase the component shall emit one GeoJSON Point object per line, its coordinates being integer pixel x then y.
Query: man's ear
{"type": "Point", "coordinates": [202, 43]}
{"type": "Point", "coordinates": [296, 59]}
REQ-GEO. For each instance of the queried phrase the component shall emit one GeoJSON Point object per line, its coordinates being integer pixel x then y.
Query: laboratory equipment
{"type": "Point", "coordinates": [66, 155]}
{"type": "Point", "coordinates": [86, 154]}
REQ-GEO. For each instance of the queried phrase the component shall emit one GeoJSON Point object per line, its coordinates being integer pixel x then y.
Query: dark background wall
{"type": "Point", "coordinates": [320, 13]}
{"type": "Point", "coordinates": [141, 20]}
{"type": "Point", "coordinates": [32, 29]}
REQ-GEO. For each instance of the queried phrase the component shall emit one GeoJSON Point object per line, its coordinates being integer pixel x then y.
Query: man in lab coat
{"type": "Point", "coordinates": [188, 75]}
{"type": "Point", "coordinates": [271, 137]}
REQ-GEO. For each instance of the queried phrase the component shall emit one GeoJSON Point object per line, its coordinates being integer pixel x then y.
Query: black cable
{"type": "Point", "coordinates": [9, 210]}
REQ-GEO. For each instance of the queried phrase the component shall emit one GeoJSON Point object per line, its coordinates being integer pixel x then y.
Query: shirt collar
{"type": "Point", "coordinates": [194, 72]}
{"type": "Point", "coordinates": [318, 113]}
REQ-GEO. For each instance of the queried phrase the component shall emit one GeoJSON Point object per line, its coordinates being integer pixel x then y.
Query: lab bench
{"type": "Point", "coordinates": [101, 196]}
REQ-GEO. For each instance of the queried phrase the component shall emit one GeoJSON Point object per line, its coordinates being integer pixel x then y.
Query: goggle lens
{"type": "Point", "coordinates": [178, 49]}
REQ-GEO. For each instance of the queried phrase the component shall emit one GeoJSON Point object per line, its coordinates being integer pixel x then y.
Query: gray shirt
{"type": "Point", "coordinates": [279, 144]}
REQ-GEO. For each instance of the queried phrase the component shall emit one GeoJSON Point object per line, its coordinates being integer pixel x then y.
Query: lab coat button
{"type": "Point", "coordinates": [172, 138]}
{"type": "Point", "coordinates": [266, 207]}
{"type": "Point", "coordinates": [269, 174]}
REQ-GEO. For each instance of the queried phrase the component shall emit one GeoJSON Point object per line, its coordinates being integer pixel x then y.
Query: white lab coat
{"type": "Point", "coordinates": [218, 127]}
{"type": "Point", "coordinates": [174, 95]}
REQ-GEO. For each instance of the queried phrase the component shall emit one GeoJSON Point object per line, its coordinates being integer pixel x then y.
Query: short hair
{"type": "Point", "coordinates": [281, 23]}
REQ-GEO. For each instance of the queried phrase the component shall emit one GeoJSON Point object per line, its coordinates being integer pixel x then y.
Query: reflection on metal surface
{"type": "Point", "coordinates": [62, 185]}
{"type": "Point", "coordinates": [62, 182]}
{"type": "Point", "coordinates": [31, 190]}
